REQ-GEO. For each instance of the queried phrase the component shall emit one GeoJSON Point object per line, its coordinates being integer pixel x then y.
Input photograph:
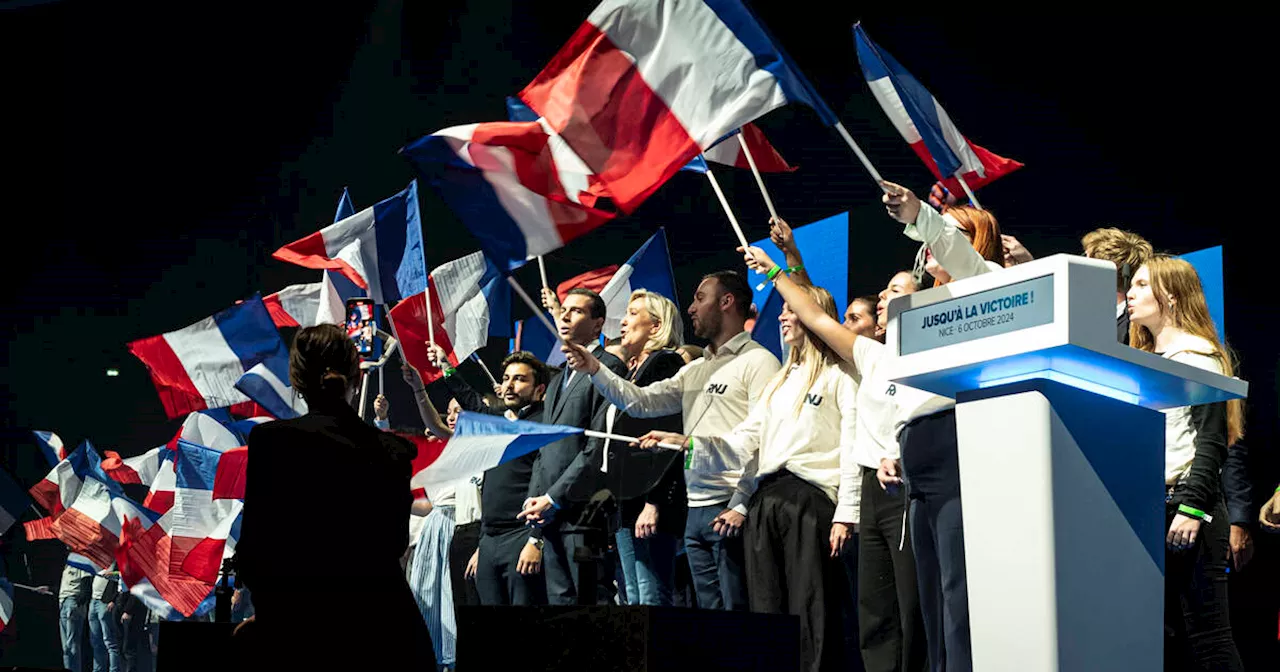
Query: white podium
{"type": "Point", "coordinates": [1061, 460]}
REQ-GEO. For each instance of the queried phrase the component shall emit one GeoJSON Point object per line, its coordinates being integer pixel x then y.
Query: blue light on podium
{"type": "Point", "coordinates": [1065, 379]}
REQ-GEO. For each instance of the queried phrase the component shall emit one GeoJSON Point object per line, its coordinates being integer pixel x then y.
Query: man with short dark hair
{"type": "Point", "coordinates": [509, 558]}
{"type": "Point", "coordinates": [714, 394]}
{"type": "Point", "coordinates": [1128, 251]}
{"type": "Point", "coordinates": [571, 400]}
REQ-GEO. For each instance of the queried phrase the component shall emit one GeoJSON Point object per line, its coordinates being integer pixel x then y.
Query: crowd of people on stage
{"type": "Point", "coordinates": [804, 487]}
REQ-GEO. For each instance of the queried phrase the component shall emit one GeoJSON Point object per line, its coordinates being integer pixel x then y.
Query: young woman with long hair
{"type": "Point", "coordinates": [960, 243]}
{"type": "Point", "coordinates": [1168, 316]}
{"type": "Point", "coordinates": [800, 434]}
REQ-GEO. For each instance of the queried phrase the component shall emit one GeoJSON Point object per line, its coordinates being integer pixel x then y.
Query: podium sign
{"type": "Point", "coordinates": [1061, 453]}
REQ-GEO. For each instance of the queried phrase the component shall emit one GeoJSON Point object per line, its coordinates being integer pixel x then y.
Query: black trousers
{"type": "Point", "coordinates": [789, 565]}
{"type": "Point", "coordinates": [890, 627]}
{"type": "Point", "coordinates": [1196, 616]}
{"type": "Point", "coordinates": [931, 469]}
{"type": "Point", "coordinates": [497, 580]}
{"type": "Point", "coordinates": [466, 539]}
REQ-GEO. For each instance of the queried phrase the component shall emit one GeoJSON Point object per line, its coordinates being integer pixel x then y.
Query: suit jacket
{"type": "Point", "coordinates": [574, 405]}
{"type": "Point", "coordinates": [1122, 327]}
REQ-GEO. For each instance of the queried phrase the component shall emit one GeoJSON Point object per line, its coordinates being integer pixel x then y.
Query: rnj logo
{"type": "Point", "coordinates": [813, 399]}
{"type": "Point", "coordinates": [893, 389]}
{"type": "Point", "coordinates": [717, 388]}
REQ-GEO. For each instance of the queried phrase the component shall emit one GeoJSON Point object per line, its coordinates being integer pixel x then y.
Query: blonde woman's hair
{"type": "Point", "coordinates": [813, 355]}
{"type": "Point", "coordinates": [1176, 280]}
{"type": "Point", "coordinates": [663, 311]}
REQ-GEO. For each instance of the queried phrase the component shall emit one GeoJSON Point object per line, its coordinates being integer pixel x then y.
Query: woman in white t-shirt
{"type": "Point", "coordinates": [960, 243]}
{"type": "Point", "coordinates": [800, 438]}
{"type": "Point", "coordinates": [1168, 316]}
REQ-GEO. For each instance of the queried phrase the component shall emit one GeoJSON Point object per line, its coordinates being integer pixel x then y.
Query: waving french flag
{"type": "Point", "coordinates": [51, 447]}
{"type": "Point", "coordinates": [306, 305]}
{"type": "Point", "coordinates": [214, 430]}
{"type": "Point", "coordinates": [729, 152]}
{"type": "Point", "coordinates": [462, 293]}
{"type": "Point", "coordinates": [924, 124]}
{"type": "Point", "coordinates": [644, 86]}
{"type": "Point", "coordinates": [378, 248]}
{"type": "Point", "coordinates": [141, 469]}
{"type": "Point", "coordinates": [6, 603]}
{"type": "Point", "coordinates": [649, 268]}
{"type": "Point", "coordinates": [89, 527]}
{"type": "Point", "coordinates": [481, 442]}
{"type": "Point", "coordinates": [197, 367]}
{"type": "Point", "coordinates": [504, 182]}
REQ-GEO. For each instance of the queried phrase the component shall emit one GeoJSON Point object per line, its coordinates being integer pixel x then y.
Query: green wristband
{"type": "Point", "coordinates": [1191, 511]}
{"type": "Point", "coordinates": [773, 273]}
{"type": "Point", "coordinates": [794, 269]}
{"type": "Point", "coordinates": [688, 454]}
{"type": "Point", "coordinates": [449, 371]}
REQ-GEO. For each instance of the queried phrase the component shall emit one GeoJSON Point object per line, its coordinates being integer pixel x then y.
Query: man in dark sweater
{"type": "Point", "coordinates": [509, 564]}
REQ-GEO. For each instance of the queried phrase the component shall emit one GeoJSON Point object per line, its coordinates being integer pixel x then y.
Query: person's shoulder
{"type": "Point", "coordinates": [611, 361]}
{"type": "Point", "coordinates": [1196, 351]}
{"type": "Point", "coordinates": [758, 354]}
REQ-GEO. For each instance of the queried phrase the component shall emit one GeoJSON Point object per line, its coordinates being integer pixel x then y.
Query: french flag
{"type": "Point", "coordinates": [649, 268]}
{"type": "Point", "coordinates": [728, 152]}
{"type": "Point", "coordinates": [306, 305]}
{"type": "Point", "coordinates": [141, 469]}
{"type": "Point", "coordinates": [51, 447]}
{"type": "Point", "coordinates": [532, 336]}
{"type": "Point", "coordinates": [643, 87]}
{"type": "Point", "coordinates": [208, 497]}
{"type": "Point", "coordinates": [197, 367]}
{"type": "Point", "coordinates": [89, 527]}
{"type": "Point", "coordinates": [429, 449]}
{"type": "Point", "coordinates": [213, 430]}
{"type": "Point", "coordinates": [60, 487]}
{"type": "Point", "coordinates": [924, 124]}
{"type": "Point", "coordinates": [505, 183]}
{"type": "Point", "coordinates": [379, 248]}
{"type": "Point", "coordinates": [481, 442]}
{"type": "Point", "coordinates": [270, 388]}
{"type": "Point", "coordinates": [462, 292]}
{"type": "Point", "coordinates": [6, 603]}
{"type": "Point", "coordinates": [144, 558]}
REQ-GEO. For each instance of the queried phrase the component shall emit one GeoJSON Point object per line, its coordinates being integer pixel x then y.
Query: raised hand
{"type": "Point", "coordinates": [756, 259]}
{"type": "Point", "coordinates": [901, 204]}
{"type": "Point", "coordinates": [780, 233]}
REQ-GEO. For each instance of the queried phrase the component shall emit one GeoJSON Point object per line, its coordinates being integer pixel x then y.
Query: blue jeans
{"type": "Point", "coordinates": [71, 618]}
{"type": "Point", "coordinates": [104, 636]}
{"type": "Point", "coordinates": [715, 563]}
{"type": "Point", "coordinates": [649, 566]}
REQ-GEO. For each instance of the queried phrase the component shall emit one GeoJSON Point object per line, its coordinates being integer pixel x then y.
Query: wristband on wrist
{"type": "Point", "coordinates": [795, 268]}
{"type": "Point", "coordinates": [773, 273]}
{"type": "Point", "coordinates": [449, 371]}
{"type": "Point", "coordinates": [1191, 511]}
{"type": "Point", "coordinates": [688, 453]}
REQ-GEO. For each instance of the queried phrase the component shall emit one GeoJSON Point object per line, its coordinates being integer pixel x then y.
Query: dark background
{"type": "Point", "coordinates": [157, 153]}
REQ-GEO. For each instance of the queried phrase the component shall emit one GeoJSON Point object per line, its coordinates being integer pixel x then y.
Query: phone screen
{"type": "Point", "coordinates": [362, 328]}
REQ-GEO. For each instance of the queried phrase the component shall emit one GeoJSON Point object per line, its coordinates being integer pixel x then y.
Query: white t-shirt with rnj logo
{"type": "Point", "coordinates": [812, 444]}
{"type": "Point", "coordinates": [885, 407]}
{"type": "Point", "coordinates": [714, 393]}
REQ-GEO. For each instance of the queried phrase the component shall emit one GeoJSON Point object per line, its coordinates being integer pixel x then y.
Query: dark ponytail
{"type": "Point", "coordinates": [323, 365]}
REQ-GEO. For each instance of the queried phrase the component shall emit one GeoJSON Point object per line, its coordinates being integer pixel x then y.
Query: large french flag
{"type": "Point", "coordinates": [140, 469]}
{"type": "Point", "coordinates": [508, 187]}
{"type": "Point", "coordinates": [481, 442]}
{"type": "Point", "coordinates": [213, 430]}
{"type": "Point", "coordinates": [643, 86]}
{"type": "Point", "coordinates": [924, 124]}
{"type": "Point", "coordinates": [89, 527]}
{"type": "Point", "coordinates": [145, 559]}
{"type": "Point", "coordinates": [462, 292]}
{"type": "Point", "coordinates": [649, 268]}
{"type": "Point", "coordinates": [270, 389]}
{"type": "Point", "coordinates": [59, 488]}
{"type": "Point", "coordinates": [378, 248]}
{"type": "Point", "coordinates": [196, 368]}
{"type": "Point", "coordinates": [207, 503]}
{"type": "Point", "coordinates": [729, 152]}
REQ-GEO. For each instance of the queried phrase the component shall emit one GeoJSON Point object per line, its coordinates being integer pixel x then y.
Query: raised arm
{"type": "Point", "coordinates": [810, 313]}
{"type": "Point", "coordinates": [948, 244]}
{"type": "Point", "coordinates": [664, 397]}
{"type": "Point", "coordinates": [780, 235]}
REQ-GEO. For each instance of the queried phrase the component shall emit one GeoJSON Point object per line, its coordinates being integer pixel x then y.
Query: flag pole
{"type": "Point", "coordinates": [968, 192]}
{"type": "Point", "coordinates": [866, 163]}
{"type": "Point", "coordinates": [476, 358]}
{"type": "Point", "coordinates": [542, 271]}
{"type": "Point", "coordinates": [751, 161]}
{"type": "Point", "coordinates": [364, 391]}
{"type": "Point", "coordinates": [629, 439]}
{"type": "Point", "coordinates": [536, 310]}
{"type": "Point", "coordinates": [724, 202]}
{"type": "Point", "coordinates": [431, 322]}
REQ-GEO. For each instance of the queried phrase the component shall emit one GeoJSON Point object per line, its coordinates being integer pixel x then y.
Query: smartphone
{"type": "Point", "coordinates": [362, 328]}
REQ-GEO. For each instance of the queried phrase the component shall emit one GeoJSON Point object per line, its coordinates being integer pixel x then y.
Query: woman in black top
{"type": "Point", "coordinates": [326, 498]}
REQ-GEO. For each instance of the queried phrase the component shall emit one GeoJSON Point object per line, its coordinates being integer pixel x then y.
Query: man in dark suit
{"type": "Point", "coordinates": [571, 400]}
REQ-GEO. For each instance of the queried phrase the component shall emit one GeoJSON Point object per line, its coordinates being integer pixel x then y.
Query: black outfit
{"type": "Point", "coordinates": [1197, 617]}
{"type": "Point", "coordinates": [788, 533]}
{"type": "Point", "coordinates": [575, 405]}
{"type": "Point", "coordinates": [466, 540]}
{"type": "Point", "coordinates": [890, 627]}
{"type": "Point", "coordinates": [1237, 486]}
{"type": "Point", "coordinates": [133, 635]}
{"type": "Point", "coordinates": [360, 535]}
{"type": "Point", "coordinates": [502, 536]}
{"type": "Point", "coordinates": [1122, 327]}
{"type": "Point", "coordinates": [931, 470]}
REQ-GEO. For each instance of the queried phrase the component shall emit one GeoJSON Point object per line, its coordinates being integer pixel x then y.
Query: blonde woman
{"type": "Point", "coordinates": [800, 437]}
{"type": "Point", "coordinates": [1168, 316]}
